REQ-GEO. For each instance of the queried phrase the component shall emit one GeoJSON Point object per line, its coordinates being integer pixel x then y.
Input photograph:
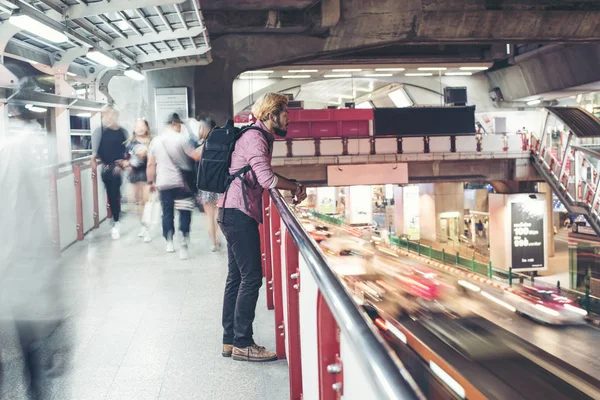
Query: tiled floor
{"type": "Point", "coordinates": [146, 325]}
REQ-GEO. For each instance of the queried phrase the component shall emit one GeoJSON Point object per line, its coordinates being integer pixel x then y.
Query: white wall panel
{"type": "Point", "coordinates": [67, 215]}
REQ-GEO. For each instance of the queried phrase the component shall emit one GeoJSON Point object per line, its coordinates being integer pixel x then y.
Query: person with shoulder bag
{"type": "Point", "coordinates": [170, 170]}
{"type": "Point", "coordinates": [242, 176]}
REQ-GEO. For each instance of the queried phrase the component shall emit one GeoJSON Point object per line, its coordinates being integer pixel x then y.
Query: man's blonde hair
{"type": "Point", "coordinates": [270, 103]}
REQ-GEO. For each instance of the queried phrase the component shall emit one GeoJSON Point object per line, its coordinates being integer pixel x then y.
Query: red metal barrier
{"type": "Point", "coordinates": [330, 366]}
{"type": "Point", "coordinates": [293, 316]}
{"type": "Point", "coordinates": [266, 239]}
{"type": "Point", "coordinates": [78, 200]}
{"type": "Point", "coordinates": [277, 282]}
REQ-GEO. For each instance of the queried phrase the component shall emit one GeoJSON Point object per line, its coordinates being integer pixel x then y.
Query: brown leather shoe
{"type": "Point", "coordinates": [227, 349]}
{"type": "Point", "coordinates": [253, 353]}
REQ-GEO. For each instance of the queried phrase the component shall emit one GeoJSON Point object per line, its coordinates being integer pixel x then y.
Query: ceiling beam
{"type": "Point", "coordinates": [158, 37]}
{"type": "Point", "coordinates": [171, 54]}
{"type": "Point", "coordinates": [174, 64]}
{"type": "Point", "coordinates": [81, 11]}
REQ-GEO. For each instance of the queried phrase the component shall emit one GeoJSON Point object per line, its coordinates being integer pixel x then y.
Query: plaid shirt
{"type": "Point", "coordinates": [256, 150]}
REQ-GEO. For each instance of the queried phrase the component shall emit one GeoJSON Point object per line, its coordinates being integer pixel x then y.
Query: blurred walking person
{"type": "Point", "coordinates": [138, 146]}
{"type": "Point", "coordinates": [34, 349]}
{"type": "Point", "coordinates": [170, 167]}
{"type": "Point", "coordinates": [108, 145]}
{"type": "Point", "coordinates": [209, 200]}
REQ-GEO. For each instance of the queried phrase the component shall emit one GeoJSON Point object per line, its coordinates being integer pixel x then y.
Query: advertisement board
{"type": "Point", "coordinates": [412, 224]}
{"type": "Point", "coordinates": [326, 200]}
{"type": "Point", "coordinates": [527, 233]}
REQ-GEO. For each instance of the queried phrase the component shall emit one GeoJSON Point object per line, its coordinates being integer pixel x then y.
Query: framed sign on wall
{"type": "Point", "coordinates": [168, 101]}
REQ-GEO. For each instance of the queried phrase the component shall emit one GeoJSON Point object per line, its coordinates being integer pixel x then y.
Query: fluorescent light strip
{"type": "Point", "coordinates": [458, 73]}
{"type": "Point", "coordinates": [303, 70]}
{"type": "Point", "coordinates": [378, 75]}
{"type": "Point", "coordinates": [473, 68]}
{"type": "Point", "coordinates": [84, 115]}
{"type": "Point", "coordinates": [419, 74]}
{"type": "Point", "coordinates": [337, 76]}
{"type": "Point", "coordinates": [389, 69]}
{"type": "Point", "coordinates": [498, 301]}
{"type": "Point", "coordinates": [296, 76]}
{"type": "Point", "coordinates": [35, 109]}
{"type": "Point", "coordinates": [534, 102]}
{"type": "Point", "coordinates": [432, 69]}
{"type": "Point", "coordinates": [135, 75]}
{"type": "Point", "coordinates": [103, 59]}
{"type": "Point", "coordinates": [257, 72]}
{"type": "Point", "coordinates": [71, 74]}
{"type": "Point", "coordinates": [347, 70]}
{"type": "Point", "coordinates": [38, 28]}
{"type": "Point", "coordinates": [252, 77]}
{"type": "Point", "coordinates": [447, 379]}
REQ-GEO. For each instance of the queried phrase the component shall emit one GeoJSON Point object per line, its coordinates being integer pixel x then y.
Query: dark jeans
{"type": "Point", "coordinates": [167, 200]}
{"type": "Point", "coordinates": [244, 278]}
{"type": "Point", "coordinates": [112, 183]}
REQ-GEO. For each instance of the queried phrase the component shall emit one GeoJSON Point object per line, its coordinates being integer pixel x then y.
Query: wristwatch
{"type": "Point", "coordinates": [150, 182]}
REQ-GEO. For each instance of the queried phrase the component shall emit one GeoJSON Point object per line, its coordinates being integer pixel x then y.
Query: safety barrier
{"type": "Point", "coordinates": [77, 201]}
{"type": "Point", "coordinates": [331, 347]}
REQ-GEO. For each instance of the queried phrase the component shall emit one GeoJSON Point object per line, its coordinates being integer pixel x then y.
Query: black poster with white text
{"type": "Point", "coordinates": [527, 235]}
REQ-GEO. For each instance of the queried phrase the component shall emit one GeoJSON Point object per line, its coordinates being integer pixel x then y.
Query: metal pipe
{"type": "Point", "coordinates": [387, 374]}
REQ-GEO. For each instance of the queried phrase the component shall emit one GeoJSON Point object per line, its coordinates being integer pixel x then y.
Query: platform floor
{"type": "Point", "coordinates": [147, 325]}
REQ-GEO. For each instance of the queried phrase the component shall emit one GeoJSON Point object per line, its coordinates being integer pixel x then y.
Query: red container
{"type": "Point", "coordinates": [323, 129]}
{"type": "Point", "coordinates": [354, 128]}
{"type": "Point", "coordinates": [298, 129]}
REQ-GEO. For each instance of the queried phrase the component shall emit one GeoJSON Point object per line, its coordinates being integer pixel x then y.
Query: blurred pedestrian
{"type": "Point", "coordinates": [34, 347]}
{"type": "Point", "coordinates": [138, 146]}
{"type": "Point", "coordinates": [170, 170]}
{"type": "Point", "coordinates": [108, 145]}
{"type": "Point", "coordinates": [209, 200]}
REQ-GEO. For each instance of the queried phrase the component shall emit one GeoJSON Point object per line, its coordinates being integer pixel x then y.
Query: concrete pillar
{"type": "Point", "coordinates": [3, 122]}
{"type": "Point", "coordinates": [441, 211]}
{"type": "Point", "coordinates": [545, 188]}
{"type": "Point", "coordinates": [359, 204]}
{"type": "Point", "coordinates": [399, 210]}
{"type": "Point", "coordinates": [213, 90]}
{"type": "Point", "coordinates": [60, 133]}
{"type": "Point", "coordinates": [427, 212]}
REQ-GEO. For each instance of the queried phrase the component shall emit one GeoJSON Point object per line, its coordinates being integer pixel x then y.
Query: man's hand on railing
{"type": "Point", "coordinates": [299, 193]}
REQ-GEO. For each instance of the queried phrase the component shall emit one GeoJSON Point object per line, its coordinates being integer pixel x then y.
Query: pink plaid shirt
{"type": "Point", "coordinates": [255, 150]}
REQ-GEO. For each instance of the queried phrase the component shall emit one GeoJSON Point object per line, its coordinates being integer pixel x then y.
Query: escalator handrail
{"type": "Point", "coordinates": [387, 374]}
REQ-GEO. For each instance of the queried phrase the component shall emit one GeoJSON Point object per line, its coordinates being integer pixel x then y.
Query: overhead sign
{"type": "Point", "coordinates": [168, 101]}
{"type": "Point", "coordinates": [367, 174]}
{"type": "Point", "coordinates": [527, 233]}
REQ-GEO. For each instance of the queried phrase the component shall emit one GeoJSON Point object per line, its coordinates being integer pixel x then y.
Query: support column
{"type": "Point", "coordinates": [545, 188]}
{"type": "Point", "coordinates": [3, 122]}
{"type": "Point", "coordinates": [61, 124]}
{"type": "Point", "coordinates": [214, 90]}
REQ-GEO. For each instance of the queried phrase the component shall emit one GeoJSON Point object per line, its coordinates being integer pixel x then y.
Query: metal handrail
{"type": "Point", "coordinates": [387, 374]}
{"type": "Point", "coordinates": [79, 160]}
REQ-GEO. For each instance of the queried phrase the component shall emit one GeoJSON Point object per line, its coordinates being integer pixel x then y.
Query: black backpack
{"type": "Point", "coordinates": [213, 169]}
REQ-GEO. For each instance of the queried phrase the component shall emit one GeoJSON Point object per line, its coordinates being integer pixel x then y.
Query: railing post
{"type": "Point", "coordinates": [268, 267]}
{"type": "Point", "coordinates": [277, 285]}
{"type": "Point", "coordinates": [54, 211]}
{"type": "Point", "coordinates": [78, 200]}
{"type": "Point", "coordinates": [345, 151]}
{"type": "Point", "coordinates": [317, 147]}
{"type": "Point", "coordinates": [490, 269]}
{"type": "Point", "coordinates": [419, 248]}
{"type": "Point", "coordinates": [443, 256]}
{"type": "Point", "coordinates": [457, 258]}
{"type": "Point", "coordinates": [426, 144]}
{"type": "Point", "coordinates": [328, 342]}
{"type": "Point", "coordinates": [473, 263]}
{"type": "Point", "coordinates": [431, 252]}
{"type": "Point", "coordinates": [289, 144]}
{"type": "Point", "coordinates": [399, 145]}
{"type": "Point", "coordinates": [95, 198]}
{"type": "Point", "coordinates": [372, 142]}
{"type": "Point", "coordinates": [452, 144]}
{"type": "Point", "coordinates": [509, 276]}
{"type": "Point", "coordinates": [563, 163]}
{"type": "Point", "coordinates": [293, 316]}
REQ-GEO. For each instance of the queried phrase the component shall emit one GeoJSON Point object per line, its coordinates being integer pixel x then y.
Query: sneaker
{"type": "Point", "coordinates": [115, 231]}
{"type": "Point", "coordinates": [254, 353]}
{"type": "Point", "coordinates": [147, 236]}
{"type": "Point", "coordinates": [170, 247]}
{"type": "Point", "coordinates": [143, 231]}
{"type": "Point", "coordinates": [214, 248]}
{"type": "Point", "coordinates": [227, 350]}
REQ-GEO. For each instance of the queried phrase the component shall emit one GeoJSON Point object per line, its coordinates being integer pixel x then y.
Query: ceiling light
{"type": "Point", "coordinates": [258, 72]}
{"type": "Point", "coordinates": [135, 75]}
{"type": "Point", "coordinates": [419, 74]}
{"type": "Point", "coordinates": [400, 98]}
{"type": "Point", "coordinates": [84, 115]}
{"type": "Point", "coordinates": [534, 102]}
{"type": "Point", "coordinates": [34, 26]}
{"type": "Point", "coordinates": [36, 109]}
{"type": "Point", "coordinates": [71, 74]}
{"type": "Point", "coordinates": [389, 69]}
{"type": "Point", "coordinates": [252, 77]}
{"type": "Point", "coordinates": [338, 76]}
{"type": "Point", "coordinates": [473, 68]}
{"type": "Point", "coordinates": [296, 76]}
{"type": "Point", "coordinates": [303, 70]}
{"type": "Point", "coordinates": [347, 70]}
{"type": "Point", "coordinates": [458, 73]}
{"type": "Point", "coordinates": [101, 58]}
{"type": "Point", "coordinates": [432, 69]}
{"type": "Point", "coordinates": [378, 75]}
